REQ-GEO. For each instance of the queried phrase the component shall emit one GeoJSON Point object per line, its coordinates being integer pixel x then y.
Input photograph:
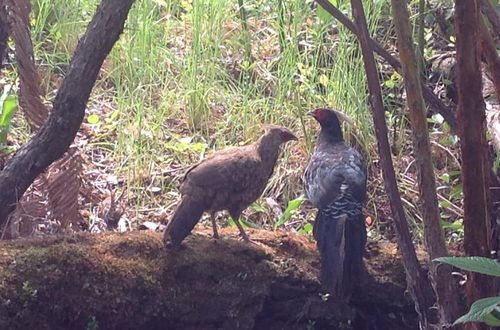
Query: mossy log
{"type": "Point", "coordinates": [130, 281]}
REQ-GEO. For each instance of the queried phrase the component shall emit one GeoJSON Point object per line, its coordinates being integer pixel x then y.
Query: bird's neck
{"type": "Point", "coordinates": [268, 150]}
{"type": "Point", "coordinates": [330, 136]}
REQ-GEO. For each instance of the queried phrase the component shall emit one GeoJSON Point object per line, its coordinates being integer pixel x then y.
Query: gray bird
{"type": "Point", "coordinates": [335, 183]}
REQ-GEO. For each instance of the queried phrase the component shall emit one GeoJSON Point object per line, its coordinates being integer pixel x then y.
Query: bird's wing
{"type": "Point", "coordinates": [220, 170]}
{"type": "Point", "coordinates": [323, 179]}
{"type": "Point", "coordinates": [356, 174]}
{"type": "Point", "coordinates": [332, 173]}
{"type": "Point", "coordinates": [208, 159]}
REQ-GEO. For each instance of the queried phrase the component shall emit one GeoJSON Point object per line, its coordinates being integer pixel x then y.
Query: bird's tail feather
{"type": "Point", "coordinates": [341, 239]}
{"type": "Point", "coordinates": [186, 216]}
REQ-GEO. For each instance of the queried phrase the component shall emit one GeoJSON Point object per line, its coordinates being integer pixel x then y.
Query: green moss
{"type": "Point", "coordinates": [130, 281]}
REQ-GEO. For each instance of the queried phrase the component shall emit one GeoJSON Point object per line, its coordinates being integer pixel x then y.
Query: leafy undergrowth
{"type": "Point", "coordinates": [129, 281]}
{"type": "Point", "coordinates": [188, 78]}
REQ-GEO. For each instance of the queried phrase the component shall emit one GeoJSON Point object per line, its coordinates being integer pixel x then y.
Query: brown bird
{"type": "Point", "coordinates": [230, 179]}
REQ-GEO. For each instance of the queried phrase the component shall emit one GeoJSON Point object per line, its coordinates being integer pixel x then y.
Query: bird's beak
{"type": "Point", "coordinates": [291, 137]}
{"type": "Point", "coordinates": [311, 113]}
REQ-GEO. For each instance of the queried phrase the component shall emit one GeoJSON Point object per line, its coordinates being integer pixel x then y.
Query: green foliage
{"type": "Point", "coordinates": [244, 223]}
{"type": "Point", "coordinates": [483, 310]}
{"type": "Point", "coordinates": [394, 80]}
{"type": "Point", "coordinates": [293, 206]}
{"type": "Point", "coordinates": [323, 15]}
{"type": "Point", "coordinates": [182, 144]}
{"type": "Point", "coordinates": [456, 226]}
{"type": "Point", "coordinates": [29, 290]}
{"type": "Point", "coordinates": [93, 119]}
{"type": "Point", "coordinates": [8, 106]}
{"type": "Point", "coordinates": [183, 69]}
{"type": "Point", "coordinates": [307, 229]}
{"type": "Point", "coordinates": [93, 323]}
{"type": "Point", "coordinates": [481, 265]}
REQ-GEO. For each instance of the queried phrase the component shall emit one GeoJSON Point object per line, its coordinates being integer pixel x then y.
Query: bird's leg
{"type": "Point", "coordinates": [214, 225]}
{"type": "Point", "coordinates": [242, 231]}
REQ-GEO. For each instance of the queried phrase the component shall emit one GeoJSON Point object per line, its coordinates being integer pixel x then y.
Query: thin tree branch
{"type": "Point", "coordinates": [489, 51]}
{"type": "Point", "coordinates": [29, 86]}
{"type": "Point", "coordinates": [416, 278]}
{"type": "Point", "coordinates": [443, 283]}
{"type": "Point", "coordinates": [490, 11]}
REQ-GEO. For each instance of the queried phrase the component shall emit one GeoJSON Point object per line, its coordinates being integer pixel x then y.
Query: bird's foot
{"type": "Point", "coordinates": [214, 227]}
{"type": "Point", "coordinates": [245, 237]}
{"type": "Point", "coordinates": [215, 238]}
{"type": "Point", "coordinates": [216, 235]}
{"type": "Point", "coordinates": [248, 240]}
{"type": "Point", "coordinates": [171, 246]}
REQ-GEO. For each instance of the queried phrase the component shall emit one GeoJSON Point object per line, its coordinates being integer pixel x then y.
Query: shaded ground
{"type": "Point", "coordinates": [129, 281]}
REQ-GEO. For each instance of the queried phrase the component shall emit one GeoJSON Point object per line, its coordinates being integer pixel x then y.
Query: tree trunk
{"type": "Point", "coordinates": [444, 285]}
{"type": "Point", "coordinates": [56, 135]}
{"type": "Point", "coordinates": [475, 170]}
{"type": "Point", "coordinates": [416, 278]}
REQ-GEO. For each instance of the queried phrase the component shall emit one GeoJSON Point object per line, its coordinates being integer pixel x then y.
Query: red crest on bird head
{"type": "Point", "coordinates": [321, 114]}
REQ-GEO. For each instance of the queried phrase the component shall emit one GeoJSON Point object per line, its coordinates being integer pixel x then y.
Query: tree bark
{"type": "Point", "coordinates": [442, 280]}
{"type": "Point", "coordinates": [4, 33]}
{"type": "Point", "coordinates": [433, 101]}
{"type": "Point", "coordinates": [490, 11]}
{"type": "Point", "coordinates": [475, 169]}
{"type": "Point", "coordinates": [416, 278]}
{"type": "Point", "coordinates": [489, 51]}
{"type": "Point", "coordinates": [56, 135]}
{"type": "Point", "coordinates": [420, 38]}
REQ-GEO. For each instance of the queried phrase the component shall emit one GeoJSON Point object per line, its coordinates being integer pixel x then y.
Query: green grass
{"type": "Point", "coordinates": [190, 69]}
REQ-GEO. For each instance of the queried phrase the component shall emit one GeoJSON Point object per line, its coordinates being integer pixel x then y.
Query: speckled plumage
{"type": "Point", "coordinates": [335, 183]}
{"type": "Point", "coordinates": [230, 179]}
